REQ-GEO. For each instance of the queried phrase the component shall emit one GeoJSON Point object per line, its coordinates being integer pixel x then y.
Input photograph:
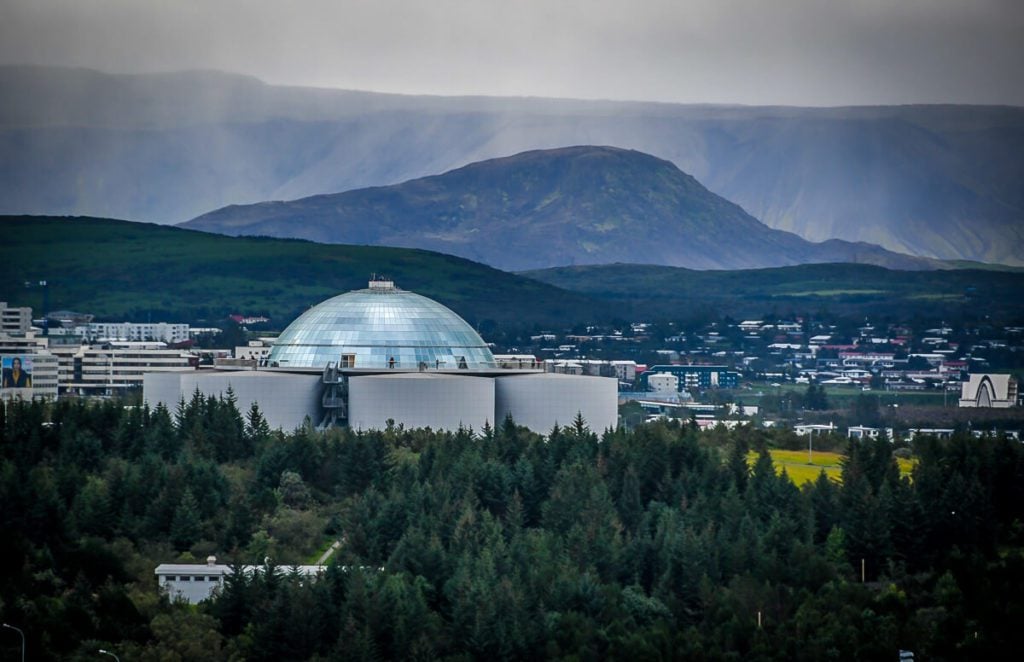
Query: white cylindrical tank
{"type": "Point", "coordinates": [419, 400]}
{"type": "Point", "coordinates": [539, 401]}
{"type": "Point", "coordinates": [285, 400]}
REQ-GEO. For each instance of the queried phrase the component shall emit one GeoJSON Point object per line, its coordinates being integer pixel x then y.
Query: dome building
{"type": "Point", "coordinates": [381, 327]}
{"type": "Point", "coordinates": [368, 357]}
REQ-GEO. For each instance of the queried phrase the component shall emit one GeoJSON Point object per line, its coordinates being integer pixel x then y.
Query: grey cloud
{"type": "Point", "coordinates": [799, 52]}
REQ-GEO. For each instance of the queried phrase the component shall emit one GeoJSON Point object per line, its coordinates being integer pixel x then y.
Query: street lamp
{"type": "Point", "coordinates": [22, 639]}
{"type": "Point", "coordinates": [106, 652]}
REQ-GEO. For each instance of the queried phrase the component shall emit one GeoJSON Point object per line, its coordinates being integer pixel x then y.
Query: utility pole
{"type": "Point", "coordinates": [19, 631]}
{"type": "Point", "coordinates": [46, 302]}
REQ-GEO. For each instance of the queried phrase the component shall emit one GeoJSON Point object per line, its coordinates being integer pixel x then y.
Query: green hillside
{"type": "Point", "coordinates": [839, 288]}
{"type": "Point", "coordinates": [119, 269]}
{"type": "Point", "coordinates": [123, 270]}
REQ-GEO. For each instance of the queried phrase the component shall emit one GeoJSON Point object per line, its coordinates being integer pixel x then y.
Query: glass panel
{"type": "Point", "coordinates": [370, 328]}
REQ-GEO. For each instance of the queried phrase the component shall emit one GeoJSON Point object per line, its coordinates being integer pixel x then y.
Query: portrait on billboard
{"type": "Point", "coordinates": [17, 372]}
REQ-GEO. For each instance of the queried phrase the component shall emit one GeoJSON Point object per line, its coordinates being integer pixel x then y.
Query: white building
{"type": "Point", "coordinates": [14, 321]}
{"type": "Point", "coordinates": [624, 371]}
{"type": "Point", "coordinates": [114, 367]}
{"type": "Point", "coordinates": [865, 432]}
{"type": "Point", "coordinates": [811, 428]}
{"type": "Point", "coordinates": [256, 350]}
{"type": "Point", "coordinates": [138, 332]}
{"type": "Point", "coordinates": [30, 352]}
{"type": "Point", "coordinates": [194, 582]}
{"type": "Point", "coordinates": [663, 382]}
{"type": "Point", "coordinates": [990, 390]}
{"type": "Point", "coordinates": [381, 354]}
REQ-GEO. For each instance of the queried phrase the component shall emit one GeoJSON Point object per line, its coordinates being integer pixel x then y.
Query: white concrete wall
{"type": "Point", "coordinates": [419, 400]}
{"type": "Point", "coordinates": [285, 399]}
{"type": "Point", "coordinates": [539, 401]}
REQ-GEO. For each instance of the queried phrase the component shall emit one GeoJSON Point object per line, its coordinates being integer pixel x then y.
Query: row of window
{"type": "Point", "coordinates": [191, 578]}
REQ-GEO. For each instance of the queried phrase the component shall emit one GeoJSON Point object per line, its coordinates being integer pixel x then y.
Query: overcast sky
{"type": "Point", "coordinates": [797, 52]}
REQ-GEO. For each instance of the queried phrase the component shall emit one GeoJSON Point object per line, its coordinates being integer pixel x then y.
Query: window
{"type": "Point", "coordinates": [211, 578]}
{"type": "Point", "coordinates": [170, 578]}
{"type": "Point", "coordinates": [184, 578]}
{"type": "Point", "coordinates": [347, 361]}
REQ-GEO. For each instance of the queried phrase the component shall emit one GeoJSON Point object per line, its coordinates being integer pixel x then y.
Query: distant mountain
{"type": "Point", "coordinates": [939, 181]}
{"type": "Point", "coordinates": [575, 205]}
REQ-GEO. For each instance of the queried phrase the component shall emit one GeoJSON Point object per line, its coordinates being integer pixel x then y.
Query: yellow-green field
{"type": "Point", "coordinates": [801, 471]}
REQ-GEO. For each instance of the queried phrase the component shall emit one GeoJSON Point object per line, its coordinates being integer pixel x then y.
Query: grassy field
{"type": "Point", "coordinates": [802, 469]}
{"type": "Point", "coordinates": [840, 396]}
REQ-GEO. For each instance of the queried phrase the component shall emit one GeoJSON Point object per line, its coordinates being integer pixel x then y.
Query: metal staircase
{"type": "Point", "coordinates": [335, 397]}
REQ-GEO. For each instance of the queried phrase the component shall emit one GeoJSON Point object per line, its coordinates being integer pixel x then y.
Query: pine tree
{"type": "Point", "coordinates": [185, 524]}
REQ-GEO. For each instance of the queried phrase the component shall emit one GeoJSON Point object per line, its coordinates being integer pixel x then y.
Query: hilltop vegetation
{"type": "Point", "coordinates": [139, 271]}
{"type": "Point", "coordinates": [838, 288]}
{"type": "Point", "coordinates": [119, 269]}
{"type": "Point", "coordinates": [661, 542]}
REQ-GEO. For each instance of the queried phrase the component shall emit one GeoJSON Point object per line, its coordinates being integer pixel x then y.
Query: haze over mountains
{"type": "Point", "coordinates": [940, 181]}
{"type": "Point", "coordinates": [575, 205]}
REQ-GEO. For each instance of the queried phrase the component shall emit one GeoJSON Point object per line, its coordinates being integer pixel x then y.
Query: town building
{"type": "Point", "coordinates": [195, 582]}
{"type": "Point", "coordinates": [138, 332]}
{"type": "Point", "coordinates": [115, 367]}
{"type": "Point", "coordinates": [695, 376]}
{"type": "Point", "coordinates": [29, 369]}
{"type": "Point", "coordinates": [663, 382]}
{"type": "Point", "coordinates": [14, 321]}
{"type": "Point", "coordinates": [990, 390]}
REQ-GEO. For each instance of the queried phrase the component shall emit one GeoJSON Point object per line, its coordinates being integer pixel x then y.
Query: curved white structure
{"type": "Point", "coordinates": [419, 400]}
{"type": "Point", "coordinates": [540, 401]}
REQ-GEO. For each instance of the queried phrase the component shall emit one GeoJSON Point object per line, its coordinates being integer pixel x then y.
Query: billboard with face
{"type": "Point", "coordinates": [17, 371]}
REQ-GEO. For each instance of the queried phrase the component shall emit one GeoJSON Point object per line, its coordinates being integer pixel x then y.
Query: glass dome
{"type": "Point", "coordinates": [381, 327]}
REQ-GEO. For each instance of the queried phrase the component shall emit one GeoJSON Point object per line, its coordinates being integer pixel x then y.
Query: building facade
{"type": "Point", "coordinates": [15, 321]}
{"type": "Point", "coordinates": [695, 376]}
{"type": "Point", "coordinates": [990, 390]}
{"type": "Point", "coordinates": [115, 367]}
{"type": "Point", "coordinates": [381, 355]}
{"type": "Point", "coordinates": [138, 332]}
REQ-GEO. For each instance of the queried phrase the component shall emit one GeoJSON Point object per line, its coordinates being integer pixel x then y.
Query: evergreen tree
{"type": "Point", "coordinates": [185, 526]}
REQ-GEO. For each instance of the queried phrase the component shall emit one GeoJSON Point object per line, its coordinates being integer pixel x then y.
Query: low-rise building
{"type": "Point", "coordinates": [663, 382]}
{"type": "Point", "coordinates": [29, 369]}
{"type": "Point", "coordinates": [138, 332]}
{"type": "Point", "coordinates": [14, 321]}
{"type": "Point", "coordinates": [696, 376]}
{"type": "Point", "coordinates": [115, 367]}
{"type": "Point", "coordinates": [990, 390]}
{"type": "Point", "coordinates": [195, 582]}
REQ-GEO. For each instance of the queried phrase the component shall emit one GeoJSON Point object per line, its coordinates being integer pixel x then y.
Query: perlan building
{"type": "Point", "coordinates": [383, 354]}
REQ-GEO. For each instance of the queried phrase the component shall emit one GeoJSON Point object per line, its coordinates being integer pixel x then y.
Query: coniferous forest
{"type": "Point", "coordinates": [657, 543]}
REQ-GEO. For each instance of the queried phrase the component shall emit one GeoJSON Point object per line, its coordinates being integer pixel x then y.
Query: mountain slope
{"type": "Point", "coordinates": [120, 269]}
{"type": "Point", "coordinates": [140, 271]}
{"type": "Point", "coordinates": [576, 205]}
{"type": "Point", "coordinates": [939, 181]}
{"type": "Point", "coordinates": [840, 288]}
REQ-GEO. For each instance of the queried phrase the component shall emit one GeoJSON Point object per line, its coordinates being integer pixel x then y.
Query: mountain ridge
{"type": "Point", "coordinates": [542, 208]}
{"type": "Point", "coordinates": [937, 181]}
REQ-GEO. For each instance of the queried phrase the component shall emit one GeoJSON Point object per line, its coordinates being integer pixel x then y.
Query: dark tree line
{"type": "Point", "coordinates": [658, 543]}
